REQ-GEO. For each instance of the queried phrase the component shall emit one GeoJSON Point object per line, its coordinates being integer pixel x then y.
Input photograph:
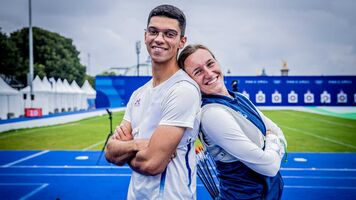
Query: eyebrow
{"type": "Point", "coordinates": [207, 62]}
{"type": "Point", "coordinates": [196, 68]}
{"type": "Point", "coordinates": [163, 29]}
{"type": "Point", "coordinates": [210, 60]}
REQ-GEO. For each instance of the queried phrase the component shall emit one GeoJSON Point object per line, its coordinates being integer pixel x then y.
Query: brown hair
{"type": "Point", "coordinates": [189, 50]}
{"type": "Point", "coordinates": [170, 12]}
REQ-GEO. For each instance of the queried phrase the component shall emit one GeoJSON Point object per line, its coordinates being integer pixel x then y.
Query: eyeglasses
{"type": "Point", "coordinates": [167, 33]}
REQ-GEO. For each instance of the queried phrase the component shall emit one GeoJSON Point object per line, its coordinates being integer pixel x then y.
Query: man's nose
{"type": "Point", "coordinates": [159, 37]}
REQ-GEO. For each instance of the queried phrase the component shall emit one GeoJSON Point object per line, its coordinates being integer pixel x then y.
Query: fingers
{"type": "Point", "coordinates": [124, 130]}
{"type": "Point", "coordinates": [122, 133]}
{"type": "Point", "coordinates": [268, 131]}
{"type": "Point", "coordinates": [116, 134]}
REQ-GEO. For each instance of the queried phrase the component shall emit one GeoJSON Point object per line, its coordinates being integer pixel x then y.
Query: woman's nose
{"type": "Point", "coordinates": [208, 73]}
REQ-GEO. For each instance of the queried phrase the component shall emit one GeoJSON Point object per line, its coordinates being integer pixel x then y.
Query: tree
{"type": "Point", "coordinates": [54, 56]}
{"type": "Point", "coordinates": [9, 57]}
{"type": "Point", "coordinates": [91, 80]}
{"type": "Point", "coordinates": [107, 73]}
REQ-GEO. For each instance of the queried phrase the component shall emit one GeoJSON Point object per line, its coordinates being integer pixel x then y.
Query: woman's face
{"type": "Point", "coordinates": [206, 71]}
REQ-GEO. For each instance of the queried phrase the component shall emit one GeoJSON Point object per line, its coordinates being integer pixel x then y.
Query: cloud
{"type": "Point", "coordinates": [315, 37]}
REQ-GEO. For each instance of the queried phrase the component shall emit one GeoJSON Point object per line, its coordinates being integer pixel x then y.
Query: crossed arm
{"type": "Point", "coordinates": [227, 133]}
{"type": "Point", "coordinates": [149, 157]}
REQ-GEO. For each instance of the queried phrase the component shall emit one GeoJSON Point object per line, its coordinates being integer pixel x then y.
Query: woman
{"type": "Point", "coordinates": [247, 147]}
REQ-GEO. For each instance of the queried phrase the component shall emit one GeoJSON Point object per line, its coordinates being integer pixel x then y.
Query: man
{"type": "Point", "coordinates": [156, 136]}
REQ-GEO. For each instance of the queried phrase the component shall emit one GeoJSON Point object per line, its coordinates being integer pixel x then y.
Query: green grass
{"type": "Point", "coordinates": [72, 136]}
{"type": "Point", "coordinates": [305, 132]}
{"type": "Point", "coordinates": [308, 132]}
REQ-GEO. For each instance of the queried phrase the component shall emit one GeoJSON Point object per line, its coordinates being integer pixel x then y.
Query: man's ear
{"type": "Point", "coordinates": [182, 42]}
{"type": "Point", "coordinates": [144, 35]}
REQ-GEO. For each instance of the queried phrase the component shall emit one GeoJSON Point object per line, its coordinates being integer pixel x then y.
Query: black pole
{"type": "Point", "coordinates": [107, 138]}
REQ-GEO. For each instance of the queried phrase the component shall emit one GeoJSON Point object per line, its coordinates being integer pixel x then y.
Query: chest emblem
{"type": "Point", "coordinates": [137, 102]}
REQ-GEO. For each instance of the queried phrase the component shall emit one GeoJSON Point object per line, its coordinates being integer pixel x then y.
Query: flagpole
{"type": "Point", "coordinates": [30, 77]}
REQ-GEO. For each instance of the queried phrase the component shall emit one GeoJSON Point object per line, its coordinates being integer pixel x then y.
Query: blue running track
{"type": "Point", "coordinates": [75, 175]}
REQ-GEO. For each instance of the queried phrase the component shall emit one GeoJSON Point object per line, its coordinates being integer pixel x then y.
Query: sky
{"type": "Point", "coordinates": [314, 37]}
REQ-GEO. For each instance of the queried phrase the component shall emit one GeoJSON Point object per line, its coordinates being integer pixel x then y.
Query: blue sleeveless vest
{"type": "Point", "coordinates": [237, 181]}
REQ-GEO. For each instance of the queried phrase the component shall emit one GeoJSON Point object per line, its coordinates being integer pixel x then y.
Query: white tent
{"type": "Point", "coordinates": [11, 104]}
{"type": "Point", "coordinates": [56, 96]}
{"type": "Point", "coordinates": [70, 95]}
{"type": "Point", "coordinates": [51, 97]}
{"type": "Point", "coordinates": [40, 92]}
{"type": "Point", "coordinates": [78, 104]}
{"type": "Point", "coordinates": [90, 95]}
{"type": "Point", "coordinates": [62, 96]}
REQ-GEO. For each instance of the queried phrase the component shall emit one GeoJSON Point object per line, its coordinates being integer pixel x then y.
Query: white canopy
{"type": "Point", "coordinates": [90, 95]}
{"type": "Point", "coordinates": [71, 97]}
{"type": "Point", "coordinates": [6, 89]}
{"type": "Point", "coordinates": [79, 102]}
{"type": "Point", "coordinates": [41, 93]}
{"type": "Point", "coordinates": [37, 86]}
{"type": "Point", "coordinates": [11, 104]}
{"type": "Point", "coordinates": [62, 96]}
{"type": "Point", "coordinates": [51, 96]}
{"type": "Point", "coordinates": [88, 89]}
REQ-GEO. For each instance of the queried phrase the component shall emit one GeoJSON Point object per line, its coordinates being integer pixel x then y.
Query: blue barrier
{"type": "Point", "coordinates": [115, 91]}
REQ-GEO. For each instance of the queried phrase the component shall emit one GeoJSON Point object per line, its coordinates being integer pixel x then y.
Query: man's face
{"type": "Point", "coordinates": [206, 71]}
{"type": "Point", "coordinates": [163, 39]}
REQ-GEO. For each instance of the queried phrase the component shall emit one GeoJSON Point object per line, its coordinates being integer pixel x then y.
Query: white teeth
{"type": "Point", "coordinates": [212, 81]}
{"type": "Point", "coordinates": [158, 49]}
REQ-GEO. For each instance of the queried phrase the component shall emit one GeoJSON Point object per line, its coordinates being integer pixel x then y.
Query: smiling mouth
{"type": "Point", "coordinates": [212, 81]}
{"type": "Point", "coordinates": [159, 49]}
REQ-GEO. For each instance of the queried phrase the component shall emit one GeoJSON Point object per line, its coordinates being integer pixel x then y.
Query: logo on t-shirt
{"type": "Point", "coordinates": [137, 102]}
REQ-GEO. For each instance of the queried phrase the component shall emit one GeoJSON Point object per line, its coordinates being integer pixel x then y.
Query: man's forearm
{"type": "Point", "coordinates": [143, 164]}
{"type": "Point", "coordinates": [120, 152]}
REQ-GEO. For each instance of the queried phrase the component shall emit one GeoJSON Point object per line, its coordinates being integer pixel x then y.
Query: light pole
{"type": "Point", "coordinates": [30, 77]}
{"type": "Point", "coordinates": [88, 68]}
{"type": "Point", "coordinates": [138, 50]}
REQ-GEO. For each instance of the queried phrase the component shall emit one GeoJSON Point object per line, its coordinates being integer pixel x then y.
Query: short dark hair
{"type": "Point", "coordinates": [189, 50]}
{"type": "Point", "coordinates": [170, 12]}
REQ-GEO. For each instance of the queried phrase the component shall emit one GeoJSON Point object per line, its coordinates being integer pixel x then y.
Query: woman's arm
{"type": "Point", "coordinates": [224, 130]}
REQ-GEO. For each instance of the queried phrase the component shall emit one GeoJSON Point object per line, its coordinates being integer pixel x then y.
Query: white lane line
{"type": "Point", "coordinates": [127, 167]}
{"type": "Point", "coordinates": [320, 137]}
{"type": "Point", "coordinates": [26, 158]}
{"type": "Point", "coordinates": [127, 175]}
{"type": "Point", "coordinates": [320, 169]}
{"type": "Point", "coordinates": [319, 187]}
{"type": "Point", "coordinates": [21, 184]}
{"type": "Point", "coordinates": [34, 191]}
{"type": "Point", "coordinates": [319, 177]}
{"type": "Point", "coordinates": [308, 187]}
{"type": "Point", "coordinates": [94, 145]}
{"type": "Point", "coordinates": [91, 175]}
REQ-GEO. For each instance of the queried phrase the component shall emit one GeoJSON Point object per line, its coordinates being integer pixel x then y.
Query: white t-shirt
{"type": "Point", "coordinates": [231, 137]}
{"type": "Point", "coordinates": [175, 102]}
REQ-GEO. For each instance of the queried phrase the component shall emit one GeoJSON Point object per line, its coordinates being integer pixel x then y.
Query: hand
{"type": "Point", "coordinates": [268, 131]}
{"type": "Point", "coordinates": [141, 144]}
{"type": "Point", "coordinates": [122, 133]}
